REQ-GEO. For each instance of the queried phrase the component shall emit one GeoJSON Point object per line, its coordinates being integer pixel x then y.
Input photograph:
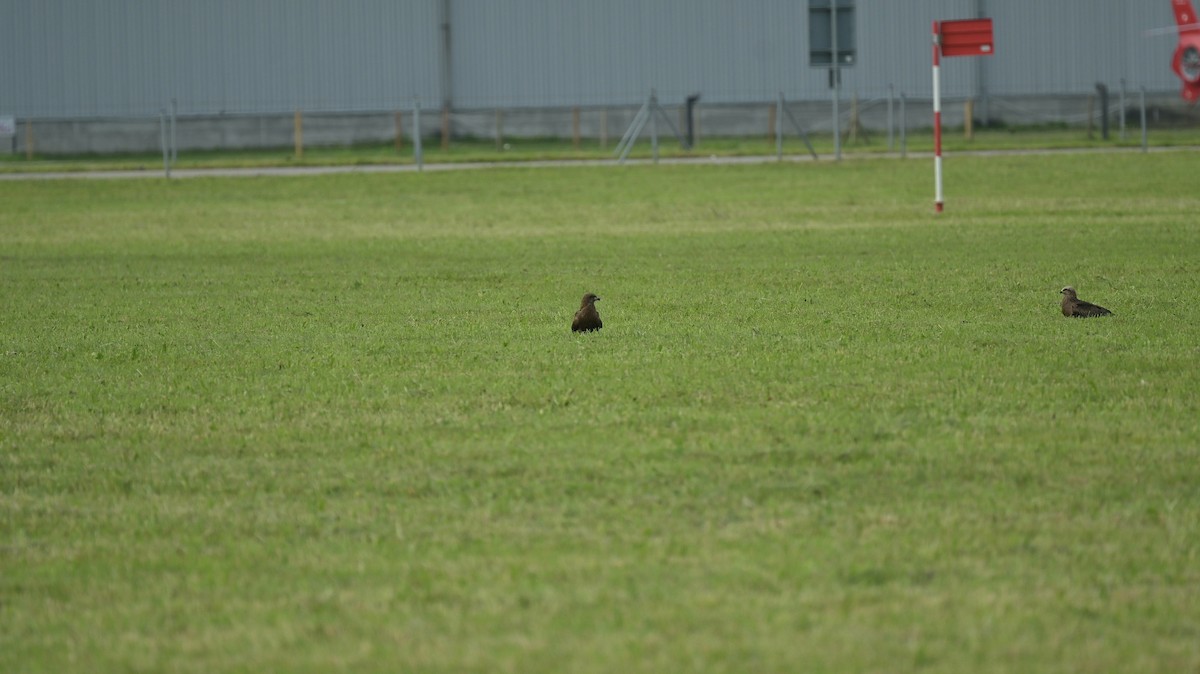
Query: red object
{"type": "Point", "coordinates": [965, 37]}
{"type": "Point", "coordinates": [1186, 62]}
{"type": "Point", "coordinates": [968, 37]}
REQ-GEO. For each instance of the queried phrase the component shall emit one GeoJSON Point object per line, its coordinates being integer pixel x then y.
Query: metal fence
{"type": "Point", "coordinates": [864, 120]}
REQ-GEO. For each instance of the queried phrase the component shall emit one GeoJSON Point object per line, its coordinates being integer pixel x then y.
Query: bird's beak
{"type": "Point", "coordinates": [597, 299]}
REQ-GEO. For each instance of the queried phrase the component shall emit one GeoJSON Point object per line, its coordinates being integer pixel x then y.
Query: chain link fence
{"type": "Point", "coordinates": [874, 124]}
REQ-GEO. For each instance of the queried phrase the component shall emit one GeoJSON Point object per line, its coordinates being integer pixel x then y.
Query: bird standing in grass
{"type": "Point", "coordinates": [587, 318]}
{"type": "Point", "coordinates": [1073, 306]}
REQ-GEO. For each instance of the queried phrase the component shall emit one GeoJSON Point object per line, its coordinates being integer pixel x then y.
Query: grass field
{"type": "Point", "coordinates": [339, 423]}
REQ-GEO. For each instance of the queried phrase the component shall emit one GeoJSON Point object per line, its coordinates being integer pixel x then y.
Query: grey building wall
{"type": "Point", "coordinates": [1067, 47]}
{"type": "Point", "coordinates": [544, 53]}
{"type": "Point", "coordinates": [553, 53]}
{"type": "Point", "coordinates": [93, 58]}
{"type": "Point", "coordinates": [238, 69]}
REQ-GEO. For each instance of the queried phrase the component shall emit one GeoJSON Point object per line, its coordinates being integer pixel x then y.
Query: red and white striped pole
{"type": "Point", "coordinates": [937, 115]}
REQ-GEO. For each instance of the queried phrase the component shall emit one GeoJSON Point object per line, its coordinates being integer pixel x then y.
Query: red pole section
{"type": "Point", "coordinates": [937, 116]}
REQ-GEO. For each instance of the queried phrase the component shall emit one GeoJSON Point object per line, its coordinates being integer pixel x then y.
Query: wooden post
{"type": "Point", "coordinates": [298, 134]}
{"type": "Point", "coordinates": [399, 131]}
{"type": "Point", "coordinates": [445, 128]}
{"type": "Point", "coordinates": [575, 128]}
{"type": "Point", "coordinates": [604, 129]}
{"type": "Point", "coordinates": [771, 122]}
{"type": "Point", "coordinates": [969, 119]}
{"type": "Point", "coordinates": [499, 129]}
{"type": "Point", "coordinates": [29, 139]}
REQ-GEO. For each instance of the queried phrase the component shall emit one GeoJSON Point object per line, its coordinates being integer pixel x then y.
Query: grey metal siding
{"type": "Point", "coordinates": [895, 46]}
{"type": "Point", "coordinates": [538, 53]}
{"type": "Point", "coordinates": [82, 58]}
{"type": "Point", "coordinates": [66, 58]}
{"type": "Point", "coordinates": [1067, 47]}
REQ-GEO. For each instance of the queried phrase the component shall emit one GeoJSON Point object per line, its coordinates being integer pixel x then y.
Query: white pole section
{"type": "Point", "coordinates": [937, 117]}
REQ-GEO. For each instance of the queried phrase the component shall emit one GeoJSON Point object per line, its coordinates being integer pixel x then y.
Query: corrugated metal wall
{"type": "Point", "coordinates": [547, 53]}
{"type": "Point", "coordinates": [618, 50]}
{"type": "Point", "coordinates": [83, 58]}
{"type": "Point", "coordinates": [1070, 46]}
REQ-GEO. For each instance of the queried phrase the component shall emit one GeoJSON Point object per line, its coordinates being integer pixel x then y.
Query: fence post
{"type": "Point", "coordinates": [854, 124]}
{"type": "Point", "coordinates": [779, 127]}
{"type": "Point", "coordinates": [445, 128]}
{"type": "Point", "coordinates": [890, 124]}
{"type": "Point", "coordinates": [969, 119]}
{"type": "Point", "coordinates": [835, 82]}
{"type": "Point", "coordinates": [575, 128]}
{"type": "Point", "coordinates": [399, 131]}
{"type": "Point", "coordinates": [837, 129]}
{"type": "Point", "coordinates": [1091, 116]}
{"type": "Point", "coordinates": [772, 115]}
{"type": "Point", "coordinates": [1122, 108]}
{"type": "Point", "coordinates": [635, 128]}
{"type": "Point", "coordinates": [29, 138]}
{"type": "Point", "coordinates": [903, 125]}
{"type": "Point", "coordinates": [174, 144]}
{"type": "Point", "coordinates": [604, 129]}
{"type": "Point", "coordinates": [298, 134]}
{"type": "Point", "coordinates": [499, 129]}
{"type": "Point", "coordinates": [1144, 144]}
{"type": "Point", "coordinates": [162, 140]}
{"type": "Point", "coordinates": [692, 123]}
{"type": "Point", "coordinates": [653, 125]}
{"type": "Point", "coordinates": [418, 155]}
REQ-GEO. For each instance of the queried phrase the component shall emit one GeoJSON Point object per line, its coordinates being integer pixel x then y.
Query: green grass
{"type": "Point", "coordinates": [536, 149]}
{"type": "Point", "coordinates": [340, 423]}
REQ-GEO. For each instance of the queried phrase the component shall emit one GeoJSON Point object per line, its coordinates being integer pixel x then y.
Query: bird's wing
{"type": "Point", "coordinates": [587, 318]}
{"type": "Point", "coordinates": [1089, 309]}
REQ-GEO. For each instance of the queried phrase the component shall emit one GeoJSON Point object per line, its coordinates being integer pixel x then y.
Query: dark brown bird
{"type": "Point", "coordinates": [587, 318]}
{"type": "Point", "coordinates": [1073, 306]}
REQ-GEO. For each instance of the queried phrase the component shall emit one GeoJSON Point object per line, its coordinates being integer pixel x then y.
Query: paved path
{"type": "Point", "coordinates": [465, 166]}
